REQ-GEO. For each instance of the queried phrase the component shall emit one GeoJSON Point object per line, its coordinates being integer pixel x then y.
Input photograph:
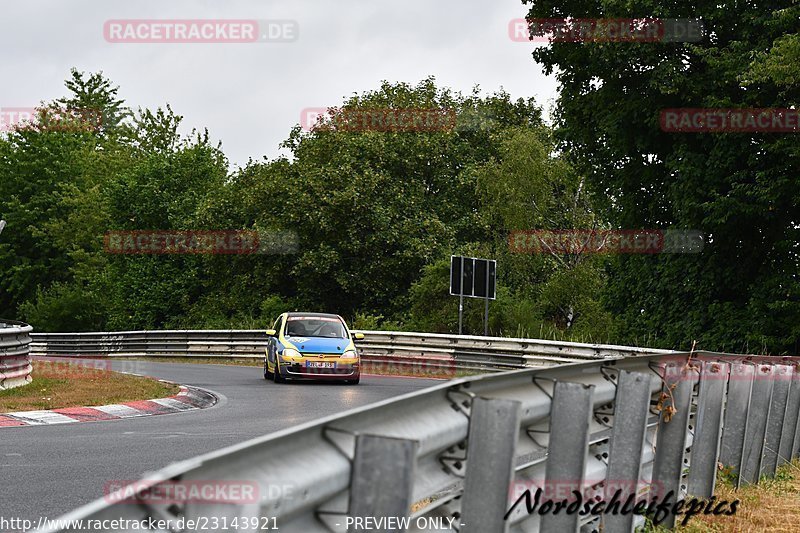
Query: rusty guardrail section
{"type": "Point", "coordinates": [460, 456]}
{"type": "Point", "coordinates": [15, 361]}
{"type": "Point", "coordinates": [398, 348]}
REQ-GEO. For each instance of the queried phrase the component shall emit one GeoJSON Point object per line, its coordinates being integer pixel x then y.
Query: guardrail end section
{"type": "Point", "coordinates": [382, 478]}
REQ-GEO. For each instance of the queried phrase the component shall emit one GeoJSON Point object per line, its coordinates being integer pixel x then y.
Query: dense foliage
{"type": "Point", "coordinates": [376, 214]}
{"type": "Point", "coordinates": [740, 189]}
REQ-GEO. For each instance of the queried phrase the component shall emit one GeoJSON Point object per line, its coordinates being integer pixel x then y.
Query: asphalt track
{"type": "Point", "coordinates": [46, 471]}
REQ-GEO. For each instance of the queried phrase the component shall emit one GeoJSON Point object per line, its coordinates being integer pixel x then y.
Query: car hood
{"type": "Point", "coordinates": [319, 344]}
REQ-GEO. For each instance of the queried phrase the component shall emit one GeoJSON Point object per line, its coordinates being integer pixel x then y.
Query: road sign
{"type": "Point", "coordinates": [472, 277]}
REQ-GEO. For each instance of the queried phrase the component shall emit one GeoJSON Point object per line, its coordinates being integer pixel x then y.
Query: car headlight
{"type": "Point", "coordinates": [289, 353]}
{"type": "Point", "coordinates": [350, 354]}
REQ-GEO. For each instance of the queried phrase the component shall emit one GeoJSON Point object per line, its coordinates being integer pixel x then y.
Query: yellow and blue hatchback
{"type": "Point", "coordinates": [312, 346]}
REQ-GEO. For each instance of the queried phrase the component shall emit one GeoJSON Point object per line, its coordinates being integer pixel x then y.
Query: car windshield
{"type": "Point", "coordinates": [315, 327]}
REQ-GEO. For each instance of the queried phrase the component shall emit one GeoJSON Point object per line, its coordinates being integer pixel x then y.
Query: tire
{"type": "Point", "coordinates": [267, 373]}
{"type": "Point", "coordinates": [277, 374]}
{"type": "Point", "coordinates": [353, 381]}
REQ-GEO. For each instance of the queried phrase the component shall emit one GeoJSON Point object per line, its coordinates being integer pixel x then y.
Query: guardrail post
{"type": "Point", "coordinates": [668, 464]}
{"type": "Point", "coordinates": [782, 380]}
{"type": "Point", "coordinates": [706, 443]}
{"type": "Point", "coordinates": [570, 419]}
{"type": "Point", "coordinates": [740, 382]}
{"type": "Point", "coordinates": [631, 410]}
{"type": "Point", "coordinates": [382, 479]}
{"type": "Point", "coordinates": [756, 429]}
{"type": "Point", "coordinates": [793, 413]}
{"type": "Point", "coordinates": [493, 433]}
{"type": "Point", "coordinates": [789, 423]}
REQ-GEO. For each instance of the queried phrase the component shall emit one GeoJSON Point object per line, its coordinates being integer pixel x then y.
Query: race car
{"type": "Point", "coordinates": [312, 346]}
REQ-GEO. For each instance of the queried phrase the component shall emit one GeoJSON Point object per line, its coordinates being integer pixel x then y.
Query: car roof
{"type": "Point", "coordinates": [312, 315]}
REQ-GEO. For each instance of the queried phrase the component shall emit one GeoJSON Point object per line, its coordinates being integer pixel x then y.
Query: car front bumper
{"type": "Point", "coordinates": [302, 371]}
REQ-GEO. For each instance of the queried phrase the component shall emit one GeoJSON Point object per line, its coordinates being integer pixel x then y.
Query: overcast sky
{"type": "Point", "coordinates": [249, 95]}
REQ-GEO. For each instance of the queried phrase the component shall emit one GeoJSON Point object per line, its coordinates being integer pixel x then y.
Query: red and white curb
{"type": "Point", "coordinates": [189, 399]}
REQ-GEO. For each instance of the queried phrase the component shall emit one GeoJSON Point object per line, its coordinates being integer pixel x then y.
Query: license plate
{"type": "Point", "coordinates": [319, 364]}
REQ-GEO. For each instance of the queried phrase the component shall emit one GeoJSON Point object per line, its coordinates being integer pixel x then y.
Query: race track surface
{"type": "Point", "coordinates": [49, 470]}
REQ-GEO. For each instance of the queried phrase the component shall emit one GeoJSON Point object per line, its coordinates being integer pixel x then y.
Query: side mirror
{"type": "Point", "coordinates": [271, 333]}
{"type": "Point", "coordinates": [358, 336]}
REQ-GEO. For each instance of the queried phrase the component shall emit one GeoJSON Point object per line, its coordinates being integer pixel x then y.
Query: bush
{"type": "Point", "coordinates": [63, 307]}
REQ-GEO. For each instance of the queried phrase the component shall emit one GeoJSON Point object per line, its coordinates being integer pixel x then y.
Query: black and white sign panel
{"type": "Point", "coordinates": [472, 277]}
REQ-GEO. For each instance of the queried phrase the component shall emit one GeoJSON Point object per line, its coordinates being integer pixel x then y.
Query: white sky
{"type": "Point", "coordinates": [250, 95]}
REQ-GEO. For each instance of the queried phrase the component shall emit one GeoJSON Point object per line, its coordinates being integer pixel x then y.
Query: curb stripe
{"type": "Point", "coordinates": [36, 418]}
{"type": "Point", "coordinates": [149, 407]}
{"type": "Point", "coordinates": [172, 403]}
{"type": "Point", "coordinates": [7, 421]}
{"type": "Point", "coordinates": [85, 414]}
{"type": "Point", "coordinates": [120, 411]}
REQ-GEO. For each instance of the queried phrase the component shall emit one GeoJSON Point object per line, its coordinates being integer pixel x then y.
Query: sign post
{"type": "Point", "coordinates": [460, 297]}
{"type": "Point", "coordinates": [486, 311]}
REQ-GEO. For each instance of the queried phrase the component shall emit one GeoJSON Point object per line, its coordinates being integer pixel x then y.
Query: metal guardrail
{"type": "Point", "coordinates": [15, 362]}
{"type": "Point", "coordinates": [447, 352]}
{"type": "Point", "coordinates": [466, 450]}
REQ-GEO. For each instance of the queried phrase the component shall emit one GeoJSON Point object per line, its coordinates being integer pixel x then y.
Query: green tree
{"type": "Point", "coordinates": [62, 188]}
{"type": "Point", "coordinates": [371, 208]}
{"type": "Point", "coordinates": [39, 164]}
{"type": "Point", "coordinates": [740, 189]}
{"type": "Point", "coordinates": [166, 187]}
{"type": "Point", "coordinates": [531, 186]}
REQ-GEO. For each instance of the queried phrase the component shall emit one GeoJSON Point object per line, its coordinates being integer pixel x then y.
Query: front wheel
{"type": "Point", "coordinates": [267, 373]}
{"type": "Point", "coordinates": [277, 373]}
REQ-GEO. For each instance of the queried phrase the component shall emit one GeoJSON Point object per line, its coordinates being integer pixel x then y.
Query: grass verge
{"type": "Point", "coordinates": [66, 384]}
{"type": "Point", "coordinates": [772, 506]}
